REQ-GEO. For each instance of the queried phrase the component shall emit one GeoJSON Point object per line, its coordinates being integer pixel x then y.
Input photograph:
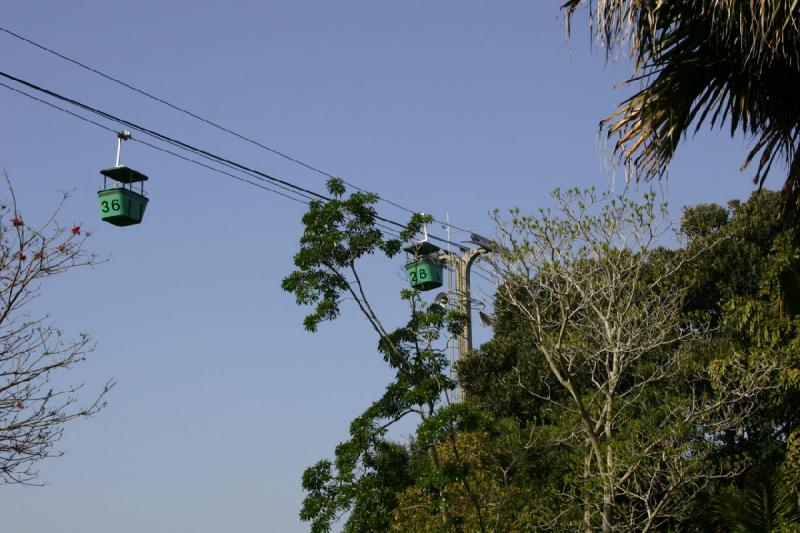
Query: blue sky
{"type": "Point", "coordinates": [446, 107]}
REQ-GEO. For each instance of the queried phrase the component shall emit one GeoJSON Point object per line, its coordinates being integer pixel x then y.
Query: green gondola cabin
{"type": "Point", "coordinates": [120, 204]}
{"type": "Point", "coordinates": [425, 270]}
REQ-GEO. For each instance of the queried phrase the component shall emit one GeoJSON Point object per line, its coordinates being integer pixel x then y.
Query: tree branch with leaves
{"type": "Point", "coordinates": [369, 470]}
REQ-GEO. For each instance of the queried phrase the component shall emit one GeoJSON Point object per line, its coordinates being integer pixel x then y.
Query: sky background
{"type": "Point", "coordinates": [222, 399]}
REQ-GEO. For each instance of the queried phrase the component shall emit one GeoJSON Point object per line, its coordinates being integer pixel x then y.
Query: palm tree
{"type": "Point", "coordinates": [724, 63]}
{"type": "Point", "coordinates": [765, 504]}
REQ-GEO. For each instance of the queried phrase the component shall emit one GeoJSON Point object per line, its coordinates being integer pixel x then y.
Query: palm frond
{"type": "Point", "coordinates": [713, 63]}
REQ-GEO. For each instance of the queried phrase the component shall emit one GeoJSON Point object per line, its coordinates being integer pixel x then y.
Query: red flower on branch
{"type": "Point", "coordinates": [19, 405]}
{"type": "Point", "coordinates": [17, 222]}
{"type": "Point", "coordinates": [76, 230]}
{"type": "Point", "coordinates": [38, 255]}
{"type": "Point", "coordinates": [22, 257]}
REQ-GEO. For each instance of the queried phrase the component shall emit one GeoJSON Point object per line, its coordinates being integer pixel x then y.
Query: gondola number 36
{"type": "Point", "coordinates": [104, 206]}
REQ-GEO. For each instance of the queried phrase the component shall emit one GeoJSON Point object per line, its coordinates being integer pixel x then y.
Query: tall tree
{"type": "Point", "coordinates": [638, 391]}
{"type": "Point", "coordinates": [724, 63]}
{"type": "Point", "coordinates": [733, 289]}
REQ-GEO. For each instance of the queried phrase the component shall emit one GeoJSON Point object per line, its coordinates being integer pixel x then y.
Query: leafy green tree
{"type": "Point", "coordinates": [628, 386]}
{"type": "Point", "coordinates": [629, 383]}
{"type": "Point", "coordinates": [742, 286]}
{"type": "Point", "coordinates": [722, 287]}
{"type": "Point", "coordinates": [723, 63]}
{"type": "Point", "coordinates": [764, 503]}
{"type": "Point", "coordinates": [369, 470]}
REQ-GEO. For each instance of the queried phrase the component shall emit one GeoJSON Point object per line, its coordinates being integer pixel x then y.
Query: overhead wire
{"type": "Point", "coordinates": [486, 277]}
{"type": "Point", "coordinates": [162, 137]}
{"type": "Point", "coordinates": [391, 231]}
{"type": "Point", "coordinates": [394, 233]}
{"type": "Point", "coordinates": [253, 183]}
{"type": "Point", "coordinates": [209, 122]}
{"type": "Point", "coordinates": [150, 145]}
{"type": "Point", "coordinates": [281, 183]}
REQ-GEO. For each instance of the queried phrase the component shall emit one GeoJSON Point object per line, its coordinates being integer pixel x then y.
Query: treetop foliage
{"type": "Point", "coordinates": [628, 386]}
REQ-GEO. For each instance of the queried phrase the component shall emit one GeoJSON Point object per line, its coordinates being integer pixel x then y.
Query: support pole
{"type": "Point", "coordinates": [462, 265]}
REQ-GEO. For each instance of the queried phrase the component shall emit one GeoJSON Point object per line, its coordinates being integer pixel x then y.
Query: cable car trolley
{"type": "Point", "coordinates": [424, 270]}
{"type": "Point", "coordinates": [120, 204]}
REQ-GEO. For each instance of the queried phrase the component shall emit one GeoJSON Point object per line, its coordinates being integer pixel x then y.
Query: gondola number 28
{"type": "Point", "coordinates": [421, 274]}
